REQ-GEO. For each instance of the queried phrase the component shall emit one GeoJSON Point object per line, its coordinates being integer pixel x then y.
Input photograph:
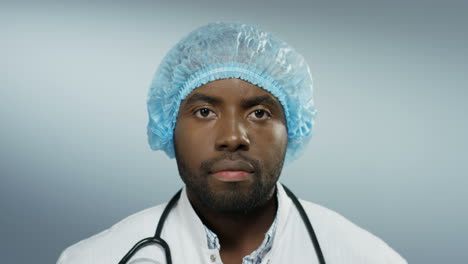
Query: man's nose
{"type": "Point", "coordinates": [232, 135]}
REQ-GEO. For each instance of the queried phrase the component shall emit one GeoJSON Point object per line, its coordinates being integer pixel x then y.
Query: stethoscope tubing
{"type": "Point", "coordinates": [308, 225]}
{"type": "Point", "coordinates": [156, 239]}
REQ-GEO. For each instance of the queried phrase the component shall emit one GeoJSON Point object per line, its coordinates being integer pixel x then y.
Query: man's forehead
{"type": "Point", "coordinates": [231, 88]}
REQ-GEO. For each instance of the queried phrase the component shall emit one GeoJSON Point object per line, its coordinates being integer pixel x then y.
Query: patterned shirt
{"type": "Point", "coordinates": [257, 255]}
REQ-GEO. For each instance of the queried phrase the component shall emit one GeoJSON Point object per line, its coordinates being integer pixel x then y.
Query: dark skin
{"type": "Point", "coordinates": [230, 140]}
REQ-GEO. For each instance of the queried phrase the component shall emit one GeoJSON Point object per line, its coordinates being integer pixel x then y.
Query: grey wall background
{"type": "Point", "coordinates": [389, 151]}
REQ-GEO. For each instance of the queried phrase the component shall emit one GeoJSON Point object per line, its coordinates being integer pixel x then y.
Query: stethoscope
{"type": "Point", "coordinates": [156, 239]}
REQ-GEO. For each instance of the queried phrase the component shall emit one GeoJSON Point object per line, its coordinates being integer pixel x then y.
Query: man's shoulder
{"type": "Point", "coordinates": [334, 231]}
{"type": "Point", "coordinates": [111, 244]}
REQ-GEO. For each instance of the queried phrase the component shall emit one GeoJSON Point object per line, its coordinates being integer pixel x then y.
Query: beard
{"type": "Point", "coordinates": [234, 197]}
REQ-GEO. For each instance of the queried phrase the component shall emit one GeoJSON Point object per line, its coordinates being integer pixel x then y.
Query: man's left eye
{"type": "Point", "coordinates": [260, 114]}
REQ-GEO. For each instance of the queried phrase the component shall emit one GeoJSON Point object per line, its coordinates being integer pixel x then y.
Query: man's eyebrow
{"type": "Point", "coordinates": [202, 97]}
{"type": "Point", "coordinates": [264, 99]}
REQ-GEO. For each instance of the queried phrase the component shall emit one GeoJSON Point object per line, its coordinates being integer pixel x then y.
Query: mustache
{"type": "Point", "coordinates": [207, 165]}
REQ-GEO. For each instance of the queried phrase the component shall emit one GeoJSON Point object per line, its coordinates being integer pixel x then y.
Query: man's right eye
{"type": "Point", "coordinates": [203, 112]}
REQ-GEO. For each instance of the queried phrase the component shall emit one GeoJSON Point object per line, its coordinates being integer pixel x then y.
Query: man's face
{"type": "Point", "coordinates": [230, 142]}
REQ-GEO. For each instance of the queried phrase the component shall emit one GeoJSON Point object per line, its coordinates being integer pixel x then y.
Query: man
{"type": "Point", "coordinates": [231, 103]}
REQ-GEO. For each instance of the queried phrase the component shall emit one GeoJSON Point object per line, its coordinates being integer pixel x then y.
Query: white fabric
{"type": "Point", "coordinates": [341, 241]}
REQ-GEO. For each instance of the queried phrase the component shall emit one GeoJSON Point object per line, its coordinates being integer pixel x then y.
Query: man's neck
{"type": "Point", "coordinates": [239, 233]}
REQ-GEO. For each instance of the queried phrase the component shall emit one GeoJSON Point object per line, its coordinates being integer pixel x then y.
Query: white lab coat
{"type": "Point", "coordinates": [340, 240]}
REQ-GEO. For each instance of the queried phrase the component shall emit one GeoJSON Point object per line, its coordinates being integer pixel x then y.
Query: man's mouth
{"type": "Point", "coordinates": [232, 170]}
{"type": "Point", "coordinates": [231, 176]}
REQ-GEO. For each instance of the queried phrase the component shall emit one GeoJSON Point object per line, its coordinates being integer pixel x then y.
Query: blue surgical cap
{"type": "Point", "coordinates": [231, 50]}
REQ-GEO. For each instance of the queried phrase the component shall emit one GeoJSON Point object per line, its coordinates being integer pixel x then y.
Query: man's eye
{"type": "Point", "coordinates": [261, 114]}
{"type": "Point", "coordinates": [204, 112]}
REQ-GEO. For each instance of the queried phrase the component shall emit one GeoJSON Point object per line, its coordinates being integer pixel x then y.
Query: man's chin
{"type": "Point", "coordinates": [232, 207]}
{"type": "Point", "coordinates": [231, 197]}
{"type": "Point", "coordinates": [234, 201]}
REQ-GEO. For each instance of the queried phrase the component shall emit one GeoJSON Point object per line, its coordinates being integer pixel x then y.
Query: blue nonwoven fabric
{"type": "Point", "coordinates": [231, 50]}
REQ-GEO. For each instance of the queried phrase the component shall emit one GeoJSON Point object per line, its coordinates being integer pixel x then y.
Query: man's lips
{"type": "Point", "coordinates": [231, 176]}
{"type": "Point", "coordinates": [232, 170]}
